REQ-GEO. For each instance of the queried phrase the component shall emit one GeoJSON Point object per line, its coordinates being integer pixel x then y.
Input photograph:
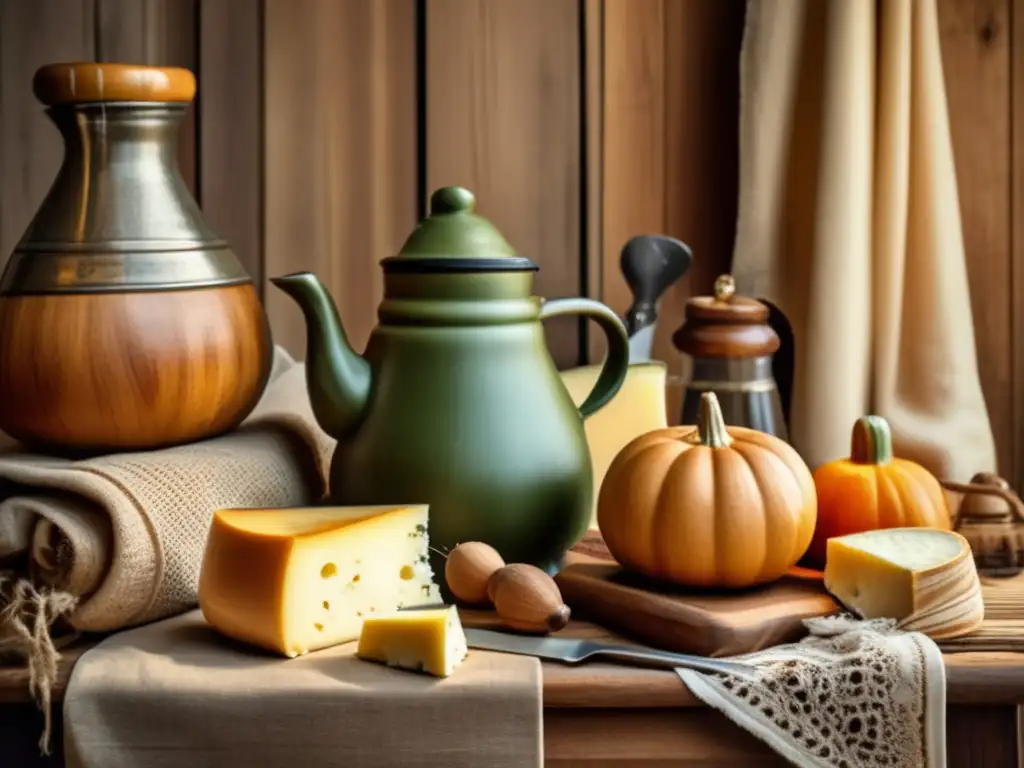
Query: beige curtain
{"type": "Point", "coordinates": [849, 222]}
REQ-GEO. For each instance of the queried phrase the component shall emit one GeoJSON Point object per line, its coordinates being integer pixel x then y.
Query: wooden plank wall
{"type": "Point", "coordinates": [340, 152]}
{"type": "Point", "coordinates": [669, 145]}
{"type": "Point", "coordinates": [321, 127]}
{"type": "Point", "coordinates": [976, 52]}
{"type": "Point", "coordinates": [503, 118]}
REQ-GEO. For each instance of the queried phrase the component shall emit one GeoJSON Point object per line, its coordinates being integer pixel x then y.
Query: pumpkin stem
{"type": "Point", "coordinates": [711, 424]}
{"type": "Point", "coordinates": [871, 442]}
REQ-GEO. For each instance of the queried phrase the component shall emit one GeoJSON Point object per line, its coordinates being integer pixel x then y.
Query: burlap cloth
{"type": "Point", "coordinates": [117, 541]}
{"type": "Point", "coordinates": [124, 533]}
{"type": "Point", "coordinates": [174, 694]}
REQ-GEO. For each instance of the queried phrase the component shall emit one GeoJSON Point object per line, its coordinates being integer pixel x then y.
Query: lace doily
{"type": "Point", "coordinates": [854, 694]}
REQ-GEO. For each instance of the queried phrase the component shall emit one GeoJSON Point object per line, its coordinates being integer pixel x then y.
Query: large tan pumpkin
{"type": "Point", "coordinates": [708, 506]}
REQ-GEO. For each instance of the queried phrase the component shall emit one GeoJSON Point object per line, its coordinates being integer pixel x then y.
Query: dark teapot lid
{"type": "Point", "coordinates": [452, 238]}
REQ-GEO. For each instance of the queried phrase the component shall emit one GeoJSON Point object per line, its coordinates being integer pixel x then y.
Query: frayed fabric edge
{"type": "Point", "coordinates": [27, 616]}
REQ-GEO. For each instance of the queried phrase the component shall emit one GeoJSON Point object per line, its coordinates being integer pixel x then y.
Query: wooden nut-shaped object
{"type": "Point", "coordinates": [986, 504]}
{"type": "Point", "coordinates": [468, 568]}
{"type": "Point", "coordinates": [986, 497]}
{"type": "Point", "coordinates": [527, 599]}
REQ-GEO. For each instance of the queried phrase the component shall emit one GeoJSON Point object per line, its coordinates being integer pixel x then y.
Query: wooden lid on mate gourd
{"type": "Point", "coordinates": [726, 325]}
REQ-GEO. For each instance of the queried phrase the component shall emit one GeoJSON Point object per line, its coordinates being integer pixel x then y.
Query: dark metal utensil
{"type": "Point", "coordinates": [650, 264]}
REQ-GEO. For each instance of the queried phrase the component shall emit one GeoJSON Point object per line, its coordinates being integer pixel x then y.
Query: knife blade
{"type": "Point", "coordinates": [576, 651]}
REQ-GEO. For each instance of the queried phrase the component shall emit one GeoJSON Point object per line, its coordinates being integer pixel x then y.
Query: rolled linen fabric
{"type": "Point", "coordinates": [124, 534]}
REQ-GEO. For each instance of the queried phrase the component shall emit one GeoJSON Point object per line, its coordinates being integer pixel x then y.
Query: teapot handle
{"type": "Point", "coordinates": [613, 372]}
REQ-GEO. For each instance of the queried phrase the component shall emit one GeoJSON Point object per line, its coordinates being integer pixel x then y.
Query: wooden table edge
{"type": "Point", "coordinates": [971, 678]}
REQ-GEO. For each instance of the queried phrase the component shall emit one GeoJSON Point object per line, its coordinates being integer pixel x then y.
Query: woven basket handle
{"type": "Point", "coordinates": [1011, 498]}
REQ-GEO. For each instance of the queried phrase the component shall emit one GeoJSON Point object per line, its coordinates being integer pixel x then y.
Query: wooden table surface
{"type": "Point", "coordinates": [972, 678]}
{"type": "Point", "coordinates": [610, 716]}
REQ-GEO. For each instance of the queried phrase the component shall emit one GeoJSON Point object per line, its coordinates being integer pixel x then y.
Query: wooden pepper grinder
{"type": "Point", "coordinates": [731, 344]}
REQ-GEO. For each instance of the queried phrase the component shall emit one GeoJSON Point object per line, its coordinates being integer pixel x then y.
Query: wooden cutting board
{"type": "Point", "coordinates": [706, 623]}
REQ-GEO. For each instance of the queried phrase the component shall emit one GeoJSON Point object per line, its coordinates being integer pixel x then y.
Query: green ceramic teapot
{"type": "Point", "coordinates": [456, 402]}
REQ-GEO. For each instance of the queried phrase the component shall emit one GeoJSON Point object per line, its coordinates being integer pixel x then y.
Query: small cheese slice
{"type": "Point", "coordinates": [926, 579]}
{"type": "Point", "coordinates": [425, 640]}
{"type": "Point", "coordinates": [637, 408]}
{"type": "Point", "coordinates": [297, 580]}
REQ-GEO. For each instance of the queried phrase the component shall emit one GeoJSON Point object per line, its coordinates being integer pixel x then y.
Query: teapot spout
{"type": "Point", "coordinates": [337, 378]}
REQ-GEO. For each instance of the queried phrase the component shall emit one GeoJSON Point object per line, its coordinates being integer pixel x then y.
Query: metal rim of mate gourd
{"type": "Point", "coordinates": [124, 229]}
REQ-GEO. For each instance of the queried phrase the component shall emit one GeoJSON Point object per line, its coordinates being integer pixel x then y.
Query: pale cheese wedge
{"type": "Point", "coordinates": [924, 578]}
{"type": "Point", "coordinates": [637, 408]}
{"type": "Point", "coordinates": [297, 580]}
{"type": "Point", "coordinates": [427, 640]}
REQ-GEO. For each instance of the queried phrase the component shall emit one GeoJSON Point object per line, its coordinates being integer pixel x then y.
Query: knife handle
{"type": "Point", "coordinates": [669, 660]}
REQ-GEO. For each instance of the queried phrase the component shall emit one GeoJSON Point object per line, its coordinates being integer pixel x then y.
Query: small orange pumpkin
{"type": "Point", "coordinates": [708, 506]}
{"type": "Point", "coordinates": [871, 489]}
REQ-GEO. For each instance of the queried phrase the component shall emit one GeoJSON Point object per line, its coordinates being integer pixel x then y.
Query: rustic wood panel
{"type": "Point", "coordinates": [650, 738]}
{"type": "Point", "coordinates": [977, 737]}
{"type": "Point", "coordinates": [620, 121]}
{"type": "Point", "coordinates": [975, 40]}
{"type": "Point", "coordinates": [121, 30]}
{"type": "Point", "coordinates": [503, 95]}
{"type": "Point", "coordinates": [161, 32]}
{"type": "Point", "coordinates": [231, 125]}
{"type": "Point", "coordinates": [340, 162]}
{"type": "Point", "coordinates": [671, 102]}
{"type": "Point", "coordinates": [593, 168]}
{"type": "Point", "coordinates": [1017, 238]}
{"type": "Point", "coordinates": [633, 133]}
{"type": "Point", "coordinates": [32, 34]}
{"type": "Point", "coordinates": [982, 737]}
{"type": "Point", "coordinates": [702, 51]}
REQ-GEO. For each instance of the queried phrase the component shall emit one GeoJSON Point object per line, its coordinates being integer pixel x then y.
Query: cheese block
{"type": "Point", "coordinates": [297, 580]}
{"type": "Point", "coordinates": [925, 579]}
{"type": "Point", "coordinates": [638, 408]}
{"type": "Point", "coordinates": [427, 640]}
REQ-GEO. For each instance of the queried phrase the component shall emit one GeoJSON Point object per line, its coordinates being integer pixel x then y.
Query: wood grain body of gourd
{"type": "Point", "coordinates": [130, 371]}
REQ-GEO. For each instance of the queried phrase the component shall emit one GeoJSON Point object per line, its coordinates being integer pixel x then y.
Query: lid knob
{"type": "Point", "coordinates": [725, 288]}
{"type": "Point", "coordinates": [452, 200]}
{"type": "Point", "coordinates": [455, 238]}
